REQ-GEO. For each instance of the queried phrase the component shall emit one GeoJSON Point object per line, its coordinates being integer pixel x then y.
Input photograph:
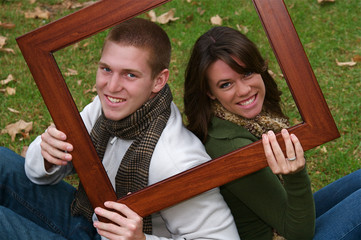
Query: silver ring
{"type": "Point", "coordinates": [292, 159]}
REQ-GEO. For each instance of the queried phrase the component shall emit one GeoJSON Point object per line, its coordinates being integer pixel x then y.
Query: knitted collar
{"type": "Point", "coordinates": [258, 125]}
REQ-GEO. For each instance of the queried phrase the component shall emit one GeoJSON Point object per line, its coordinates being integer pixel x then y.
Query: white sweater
{"type": "Point", "coordinates": [205, 216]}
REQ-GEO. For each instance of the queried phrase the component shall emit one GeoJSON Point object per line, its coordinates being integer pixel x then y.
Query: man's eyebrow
{"type": "Point", "coordinates": [103, 64]}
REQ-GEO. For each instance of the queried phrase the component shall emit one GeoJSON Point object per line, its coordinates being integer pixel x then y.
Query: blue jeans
{"type": "Point", "coordinates": [31, 211]}
{"type": "Point", "coordinates": [338, 209]}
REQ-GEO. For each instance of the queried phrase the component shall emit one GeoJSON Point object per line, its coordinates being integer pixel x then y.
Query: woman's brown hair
{"type": "Point", "coordinates": [222, 43]}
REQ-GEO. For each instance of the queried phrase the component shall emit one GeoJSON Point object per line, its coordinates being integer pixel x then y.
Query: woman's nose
{"type": "Point", "coordinates": [242, 88]}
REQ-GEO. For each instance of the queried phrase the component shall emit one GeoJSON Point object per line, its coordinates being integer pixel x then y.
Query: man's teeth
{"type": "Point", "coordinates": [248, 101]}
{"type": "Point", "coordinates": [115, 100]}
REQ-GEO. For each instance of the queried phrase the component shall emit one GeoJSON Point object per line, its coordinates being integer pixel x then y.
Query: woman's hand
{"type": "Point", "coordinates": [54, 147]}
{"type": "Point", "coordinates": [277, 161]}
{"type": "Point", "coordinates": [127, 224]}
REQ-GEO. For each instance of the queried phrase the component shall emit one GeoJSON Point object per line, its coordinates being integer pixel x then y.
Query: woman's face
{"type": "Point", "coordinates": [241, 94]}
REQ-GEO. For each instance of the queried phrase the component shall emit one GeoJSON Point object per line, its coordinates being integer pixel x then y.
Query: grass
{"type": "Point", "coordinates": [328, 32]}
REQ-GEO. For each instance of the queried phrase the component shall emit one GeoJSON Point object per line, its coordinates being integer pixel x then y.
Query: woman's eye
{"type": "Point", "coordinates": [248, 74]}
{"type": "Point", "coordinates": [224, 85]}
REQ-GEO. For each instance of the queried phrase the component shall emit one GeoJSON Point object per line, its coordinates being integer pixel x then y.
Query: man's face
{"type": "Point", "coordinates": [124, 80]}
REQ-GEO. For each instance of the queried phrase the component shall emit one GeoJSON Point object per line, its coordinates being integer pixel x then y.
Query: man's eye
{"type": "Point", "coordinates": [106, 69]}
{"type": "Point", "coordinates": [131, 75]}
{"type": "Point", "coordinates": [224, 85]}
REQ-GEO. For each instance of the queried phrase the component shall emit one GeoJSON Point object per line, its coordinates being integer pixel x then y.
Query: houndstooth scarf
{"type": "Point", "coordinates": [262, 123]}
{"type": "Point", "coordinates": [144, 127]}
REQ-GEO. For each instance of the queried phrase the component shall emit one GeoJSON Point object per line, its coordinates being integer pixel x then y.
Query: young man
{"type": "Point", "coordinates": [138, 133]}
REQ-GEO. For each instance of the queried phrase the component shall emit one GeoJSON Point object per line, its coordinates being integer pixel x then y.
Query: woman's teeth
{"type": "Point", "coordinates": [251, 100]}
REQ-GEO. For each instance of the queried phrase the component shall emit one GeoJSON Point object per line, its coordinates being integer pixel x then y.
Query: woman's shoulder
{"type": "Point", "coordinates": [225, 137]}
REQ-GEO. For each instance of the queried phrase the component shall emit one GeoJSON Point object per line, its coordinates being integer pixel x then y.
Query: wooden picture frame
{"type": "Point", "coordinates": [39, 45]}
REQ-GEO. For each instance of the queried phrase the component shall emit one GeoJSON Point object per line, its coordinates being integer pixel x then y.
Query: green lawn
{"type": "Point", "coordinates": [328, 32]}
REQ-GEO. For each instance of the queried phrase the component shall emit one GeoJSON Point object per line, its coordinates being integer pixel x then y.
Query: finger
{"type": "Point", "coordinates": [108, 230]}
{"type": "Point", "coordinates": [290, 150]}
{"type": "Point", "coordinates": [49, 158]}
{"type": "Point", "coordinates": [299, 152]}
{"type": "Point", "coordinates": [272, 163]}
{"type": "Point", "coordinates": [123, 209]}
{"type": "Point", "coordinates": [57, 139]}
{"type": "Point", "coordinates": [57, 149]}
{"type": "Point", "coordinates": [113, 216]}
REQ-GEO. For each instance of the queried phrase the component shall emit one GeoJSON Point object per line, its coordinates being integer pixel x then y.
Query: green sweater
{"type": "Point", "coordinates": [259, 202]}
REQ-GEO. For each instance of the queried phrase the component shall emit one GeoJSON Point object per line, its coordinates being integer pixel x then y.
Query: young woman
{"type": "Point", "coordinates": [230, 101]}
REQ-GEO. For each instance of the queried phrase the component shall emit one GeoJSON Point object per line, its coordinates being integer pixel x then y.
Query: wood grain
{"type": "Point", "coordinates": [39, 45]}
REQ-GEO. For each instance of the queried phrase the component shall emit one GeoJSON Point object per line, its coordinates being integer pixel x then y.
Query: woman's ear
{"type": "Point", "coordinates": [211, 96]}
{"type": "Point", "coordinates": [160, 80]}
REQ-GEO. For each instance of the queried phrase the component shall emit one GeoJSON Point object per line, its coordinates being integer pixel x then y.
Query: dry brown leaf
{"type": "Point", "coordinates": [243, 29]}
{"type": "Point", "coordinates": [350, 64]}
{"type": "Point", "coordinates": [270, 72]}
{"type": "Point", "coordinates": [71, 72]}
{"type": "Point", "coordinates": [7, 80]}
{"type": "Point", "coordinates": [7, 25]}
{"type": "Point", "coordinates": [94, 89]}
{"type": "Point", "coordinates": [82, 5]}
{"type": "Point", "coordinates": [7, 50]}
{"type": "Point", "coordinates": [216, 20]}
{"type": "Point", "coordinates": [152, 16]}
{"type": "Point", "coordinates": [3, 41]}
{"type": "Point", "coordinates": [10, 91]}
{"type": "Point", "coordinates": [324, 1]}
{"type": "Point", "coordinates": [32, 1]}
{"type": "Point", "coordinates": [13, 110]}
{"type": "Point", "coordinates": [167, 17]}
{"type": "Point", "coordinates": [356, 58]}
{"type": "Point", "coordinates": [200, 11]}
{"type": "Point", "coordinates": [20, 127]}
{"type": "Point", "coordinates": [23, 151]}
{"type": "Point", "coordinates": [38, 13]}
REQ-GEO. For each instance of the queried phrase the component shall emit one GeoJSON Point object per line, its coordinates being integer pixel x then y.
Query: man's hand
{"type": "Point", "coordinates": [54, 147]}
{"type": "Point", "coordinates": [277, 161]}
{"type": "Point", "coordinates": [127, 224]}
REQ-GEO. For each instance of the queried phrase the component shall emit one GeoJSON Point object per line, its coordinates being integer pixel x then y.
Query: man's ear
{"type": "Point", "coordinates": [160, 80]}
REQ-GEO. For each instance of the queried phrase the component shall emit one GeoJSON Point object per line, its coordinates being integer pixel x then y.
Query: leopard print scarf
{"type": "Point", "coordinates": [262, 123]}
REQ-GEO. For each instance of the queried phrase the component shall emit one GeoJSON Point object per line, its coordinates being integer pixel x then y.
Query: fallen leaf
{"type": "Point", "coordinates": [152, 16]}
{"type": "Point", "coordinates": [356, 58]}
{"type": "Point", "coordinates": [38, 13]}
{"type": "Point", "coordinates": [324, 1]}
{"type": "Point", "coordinates": [13, 110]}
{"type": "Point", "coordinates": [24, 150]}
{"type": "Point", "coordinates": [167, 17]}
{"type": "Point", "coordinates": [71, 72]}
{"type": "Point", "coordinates": [216, 20]}
{"type": "Point", "coordinates": [350, 64]}
{"type": "Point", "coordinates": [82, 5]}
{"type": "Point", "coordinates": [243, 29]}
{"type": "Point", "coordinates": [20, 127]}
{"type": "Point", "coordinates": [7, 80]}
{"type": "Point", "coordinates": [8, 50]}
{"type": "Point", "coordinates": [7, 25]}
{"type": "Point", "coordinates": [200, 11]}
{"type": "Point", "coordinates": [3, 41]}
{"type": "Point", "coordinates": [32, 1]}
{"type": "Point", "coordinates": [10, 91]}
{"type": "Point", "coordinates": [270, 72]}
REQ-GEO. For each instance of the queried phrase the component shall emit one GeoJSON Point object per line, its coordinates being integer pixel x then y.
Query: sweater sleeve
{"type": "Point", "coordinates": [260, 203]}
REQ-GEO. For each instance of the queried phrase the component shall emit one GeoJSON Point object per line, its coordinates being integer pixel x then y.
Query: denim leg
{"type": "Point", "coordinates": [16, 227]}
{"type": "Point", "coordinates": [47, 206]}
{"type": "Point", "coordinates": [338, 209]}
